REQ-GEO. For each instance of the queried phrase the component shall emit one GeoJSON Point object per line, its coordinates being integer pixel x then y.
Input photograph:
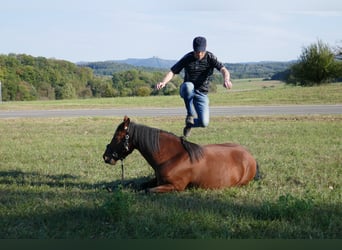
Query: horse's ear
{"type": "Point", "coordinates": [126, 121]}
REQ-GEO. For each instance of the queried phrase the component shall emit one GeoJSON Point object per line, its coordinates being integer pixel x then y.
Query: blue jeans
{"type": "Point", "coordinates": [195, 102]}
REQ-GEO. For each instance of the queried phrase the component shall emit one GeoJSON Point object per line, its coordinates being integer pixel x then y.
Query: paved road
{"type": "Point", "coordinates": [148, 112]}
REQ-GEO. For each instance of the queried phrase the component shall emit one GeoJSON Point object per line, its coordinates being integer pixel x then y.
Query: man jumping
{"type": "Point", "coordinates": [198, 65]}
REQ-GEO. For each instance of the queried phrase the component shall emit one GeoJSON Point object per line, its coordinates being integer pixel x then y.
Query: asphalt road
{"type": "Point", "coordinates": [180, 111]}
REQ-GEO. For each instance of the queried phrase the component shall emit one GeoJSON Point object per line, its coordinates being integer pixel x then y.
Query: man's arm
{"type": "Point", "coordinates": [226, 76]}
{"type": "Point", "coordinates": [166, 79]}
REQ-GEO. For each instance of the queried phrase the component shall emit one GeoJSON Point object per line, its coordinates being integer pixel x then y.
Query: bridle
{"type": "Point", "coordinates": [115, 155]}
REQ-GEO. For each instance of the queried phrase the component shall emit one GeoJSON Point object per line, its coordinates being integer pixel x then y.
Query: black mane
{"type": "Point", "coordinates": [195, 151]}
{"type": "Point", "coordinates": [144, 137]}
{"type": "Point", "coordinates": [147, 138]}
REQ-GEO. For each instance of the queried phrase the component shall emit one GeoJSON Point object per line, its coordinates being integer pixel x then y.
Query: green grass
{"type": "Point", "coordinates": [244, 92]}
{"type": "Point", "coordinates": [52, 180]}
{"type": "Point", "coordinates": [52, 176]}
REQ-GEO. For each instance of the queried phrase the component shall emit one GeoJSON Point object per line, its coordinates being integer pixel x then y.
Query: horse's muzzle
{"type": "Point", "coordinates": [109, 160]}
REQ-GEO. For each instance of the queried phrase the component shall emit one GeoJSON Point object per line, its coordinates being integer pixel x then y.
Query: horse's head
{"type": "Point", "coordinates": [119, 146]}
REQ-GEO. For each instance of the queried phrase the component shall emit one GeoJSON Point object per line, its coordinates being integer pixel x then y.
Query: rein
{"type": "Point", "coordinates": [122, 172]}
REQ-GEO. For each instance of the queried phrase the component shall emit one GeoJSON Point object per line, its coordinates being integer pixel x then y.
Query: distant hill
{"type": "Point", "coordinates": [264, 69]}
{"type": "Point", "coordinates": [112, 66]}
{"type": "Point", "coordinates": [153, 62]}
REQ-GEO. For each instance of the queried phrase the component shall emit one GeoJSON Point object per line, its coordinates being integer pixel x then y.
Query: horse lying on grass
{"type": "Point", "coordinates": [178, 163]}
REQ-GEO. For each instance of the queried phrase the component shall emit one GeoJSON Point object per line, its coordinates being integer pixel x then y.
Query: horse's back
{"type": "Point", "coordinates": [228, 150]}
{"type": "Point", "coordinates": [226, 165]}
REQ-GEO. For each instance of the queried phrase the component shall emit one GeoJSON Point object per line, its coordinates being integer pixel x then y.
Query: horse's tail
{"type": "Point", "coordinates": [258, 175]}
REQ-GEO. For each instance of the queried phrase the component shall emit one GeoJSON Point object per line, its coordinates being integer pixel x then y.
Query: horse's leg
{"type": "Point", "coordinates": [149, 184]}
{"type": "Point", "coordinates": [164, 188]}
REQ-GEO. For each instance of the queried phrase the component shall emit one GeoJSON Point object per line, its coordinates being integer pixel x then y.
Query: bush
{"type": "Point", "coordinates": [316, 65]}
{"type": "Point", "coordinates": [143, 91]}
{"type": "Point", "coordinates": [116, 206]}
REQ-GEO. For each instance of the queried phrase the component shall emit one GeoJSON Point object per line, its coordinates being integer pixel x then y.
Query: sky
{"type": "Point", "coordinates": [101, 30]}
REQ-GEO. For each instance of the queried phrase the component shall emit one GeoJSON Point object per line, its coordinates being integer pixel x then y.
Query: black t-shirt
{"type": "Point", "coordinates": [197, 71]}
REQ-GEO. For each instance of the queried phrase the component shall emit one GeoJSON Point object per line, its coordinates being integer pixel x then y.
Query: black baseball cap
{"type": "Point", "coordinates": [199, 44]}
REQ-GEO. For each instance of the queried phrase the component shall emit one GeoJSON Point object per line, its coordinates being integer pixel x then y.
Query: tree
{"type": "Point", "coordinates": [25, 92]}
{"type": "Point", "coordinates": [316, 65]}
{"type": "Point", "coordinates": [143, 91]}
{"type": "Point", "coordinates": [338, 51]}
{"type": "Point", "coordinates": [338, 57]}
{"type": "Point", "coordinates": [65, 91]}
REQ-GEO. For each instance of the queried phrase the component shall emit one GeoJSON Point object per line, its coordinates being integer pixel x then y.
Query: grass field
{"type": "Point", "coordinates": [244, 92]}
{"type": "Point", "coordinates": [52, 178]}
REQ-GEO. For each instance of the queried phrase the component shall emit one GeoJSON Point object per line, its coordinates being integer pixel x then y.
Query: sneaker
{"type": "Point", "coordinates": [189, 121]}
{"type": "Point", "coordinates": [186, 131]}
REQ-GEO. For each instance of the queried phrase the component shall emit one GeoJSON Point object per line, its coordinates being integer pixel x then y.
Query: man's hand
{"type": "Point", "coordinates": [227, 84]}
{"type": "Point", "coordinates": [226, 76]}
{"type": "Point", "coordinates": [166, 79]}
{"type": "Point", "coordinates": [160, 85]}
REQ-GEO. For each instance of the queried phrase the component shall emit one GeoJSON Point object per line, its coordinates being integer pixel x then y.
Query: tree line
{"type": "Point", "coordinates": [25, 77]}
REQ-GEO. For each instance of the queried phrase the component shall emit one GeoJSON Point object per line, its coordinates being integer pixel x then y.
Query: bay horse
{"type": "Point", "coordinates": [178, 163]}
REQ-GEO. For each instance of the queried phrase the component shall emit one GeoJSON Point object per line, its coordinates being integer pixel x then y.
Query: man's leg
{"type": "Point", "coordinates": [201, 104]}
{"type": "Point", "coordinates": [187, 92]}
